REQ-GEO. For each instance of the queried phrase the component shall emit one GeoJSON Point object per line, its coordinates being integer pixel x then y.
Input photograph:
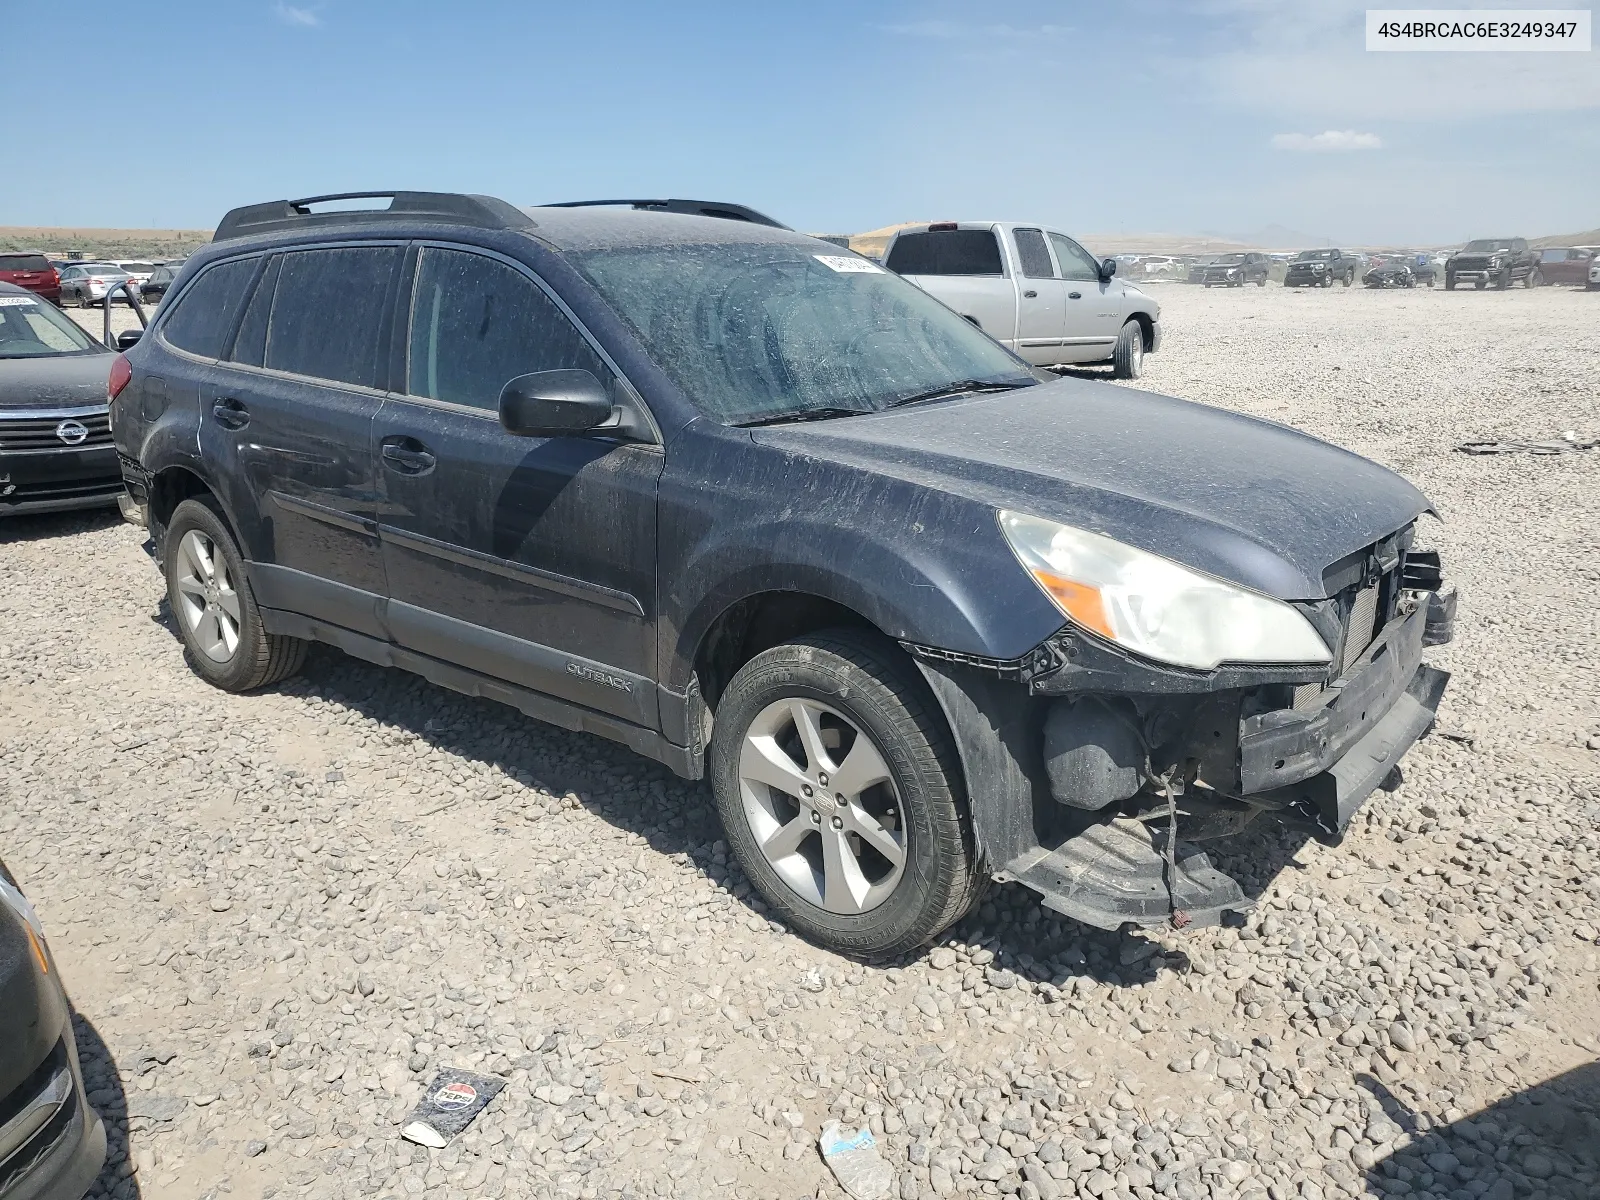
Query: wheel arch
{"type": "Point", "coordinates": [171, 486]}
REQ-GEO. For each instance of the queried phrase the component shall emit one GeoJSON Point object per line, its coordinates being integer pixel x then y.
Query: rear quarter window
{"type": "Point", "coordinates": [204, 314]}
{"type": "Point", "coordinates": [946, 252]}
{"type": "Point", "coordinates": [329, 313]}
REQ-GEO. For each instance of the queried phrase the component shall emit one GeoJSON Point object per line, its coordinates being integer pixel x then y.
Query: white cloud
{"type": "Point", "coordinates": [303, 18]}
{"type": "Point", "coordinates": [1328, 142]}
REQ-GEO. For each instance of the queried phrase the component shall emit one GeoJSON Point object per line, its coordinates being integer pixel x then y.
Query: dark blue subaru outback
{"type": "Point", "coordinates": [769, 514]}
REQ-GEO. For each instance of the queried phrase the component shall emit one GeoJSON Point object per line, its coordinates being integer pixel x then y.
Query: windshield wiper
{"type": "Point", "coordinates": [802, 414]}
{"type": "Point", "coordinates": [960, 387]}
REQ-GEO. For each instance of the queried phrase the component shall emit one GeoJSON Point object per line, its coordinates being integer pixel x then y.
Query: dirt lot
{"type": "Point", "coordinates": [280, 913]}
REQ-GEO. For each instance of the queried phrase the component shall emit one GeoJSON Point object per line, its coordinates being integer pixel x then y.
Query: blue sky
{"type": "Point", "coordinates": [1137, 116]}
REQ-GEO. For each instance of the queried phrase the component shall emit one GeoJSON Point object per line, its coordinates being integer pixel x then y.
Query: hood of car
{"type": "Point", "coordinates": [61, 381]}
{"type": "Point", "coordinates": [1247, 500]}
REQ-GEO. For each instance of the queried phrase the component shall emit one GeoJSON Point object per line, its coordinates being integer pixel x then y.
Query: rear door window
{"type": "Point", "coordinates": [946, 252]}
{"type": "Point", "coordinates": [205, 312]}
{"type": "Point", "coordinates": [1033, 254]}
{"type": "Point", "coordinates": [250, 345]}
{"type": "Point", "coordinates": [476, 324]}
{"type": "Point", "coordinates": [1076, 262]}
{"type": "Point", "coordinates": [329, 313]}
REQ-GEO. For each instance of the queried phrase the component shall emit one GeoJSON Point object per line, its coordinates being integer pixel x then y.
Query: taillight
{"type": "Point", "coordinates": [121, 376]}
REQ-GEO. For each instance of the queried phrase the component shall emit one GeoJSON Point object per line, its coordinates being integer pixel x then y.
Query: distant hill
{"type": "Point", "coordinates": [103, 243]}
{"type": "Point", "coordinates": [1589, 237]}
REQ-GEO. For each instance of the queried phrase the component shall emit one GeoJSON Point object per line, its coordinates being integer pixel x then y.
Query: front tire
{"type": "Point", "coordinates": [1127, 357]}
{"type": "Point", "coordinates": [1534, 278]}
{"type": "Point", "coordinates": [215, 607]}
{"type": "Point", "coordinates": [840, 792]}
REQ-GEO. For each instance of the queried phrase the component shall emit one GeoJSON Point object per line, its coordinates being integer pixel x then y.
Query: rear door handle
{"type": "Point", "coordinates": [229, 413]}
{"type": "Point", "coordinates": [1029, 294]}
{"type": "Point", "coordinates": [1074, 295]}
{"type": "Point", "coordinates": [407, 456]}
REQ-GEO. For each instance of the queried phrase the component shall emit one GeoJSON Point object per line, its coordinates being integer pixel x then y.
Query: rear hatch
{"type": "Point", "coordinates": [32, 271]}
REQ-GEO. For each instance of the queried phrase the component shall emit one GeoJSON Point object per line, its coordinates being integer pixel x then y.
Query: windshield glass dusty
{"type": "Point", "coordinates": [1312, 255]}
{"type": "Point", "coordinates": [1225, 259]}
{"type": "Point", "coordinates": [31, 328]}
{"type": "Point", "coordinates": [753, 330]}
{"type": "Point", "coordinates": [1486, 247]}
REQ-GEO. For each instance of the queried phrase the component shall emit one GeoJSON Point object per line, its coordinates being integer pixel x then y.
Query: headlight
{"type": "Point", "coordinates": [18, 903]}
{"type": "Point", "coordinates": [1153, 606]}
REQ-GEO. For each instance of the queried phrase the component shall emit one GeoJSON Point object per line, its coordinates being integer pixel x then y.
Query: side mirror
{"type": "Point", "coordinates": [129, 338]}
{"type": "Point", "coordinates": [1108, 268]}
{"type": "Point", "coordinates": [554, 404]}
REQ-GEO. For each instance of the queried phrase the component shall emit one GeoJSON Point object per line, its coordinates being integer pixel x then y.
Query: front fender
{"type": "Point", "coordinates": [908, 591]}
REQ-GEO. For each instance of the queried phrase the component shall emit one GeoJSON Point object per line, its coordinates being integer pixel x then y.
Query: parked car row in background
{"type": "Point", "coordinates": [81, 284]}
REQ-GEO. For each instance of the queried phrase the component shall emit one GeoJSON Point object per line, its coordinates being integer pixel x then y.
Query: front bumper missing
{"type": "Point", "coordinates": [1107, 866]}
{"type": "Point", "coordinates": [1115, 874]}
{"type": "Point", "coordinates": [1321, 765]}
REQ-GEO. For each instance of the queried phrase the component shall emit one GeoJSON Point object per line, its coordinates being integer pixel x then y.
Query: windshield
{"type": "Point", "coordinates": [138, 268]}
{"type": "Point", "coordinates": [31, 328]}
{"type": "Point", "coordinates": [1229, 258]}
{"type": "Point", "coordinates": [757, 329]}
{"type": "Point", "coordinates": [1312, 255]}
{"type": "Point", "coordinates": [1487, 246]}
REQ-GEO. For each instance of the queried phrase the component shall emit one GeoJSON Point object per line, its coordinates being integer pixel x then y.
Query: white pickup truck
{"type": "Point", "coordinates": [1032, 289]}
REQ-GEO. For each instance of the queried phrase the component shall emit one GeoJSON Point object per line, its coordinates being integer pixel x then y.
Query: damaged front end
{"type": "Point", "coordinates": [1093, 773]}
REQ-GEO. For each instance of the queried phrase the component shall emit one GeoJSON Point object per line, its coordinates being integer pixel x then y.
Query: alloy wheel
{"type": "Point", "coordinates": [822, 806]}
{"type": "Point", "coordinates": [208, 602]}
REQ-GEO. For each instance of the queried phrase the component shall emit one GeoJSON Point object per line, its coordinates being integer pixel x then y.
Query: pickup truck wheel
{"type": "Point", "coordinates": [1449, 282]}
{"type": "Point", "coordinates": [1535, 278]}
{"type": "Point", "coordinates": [216, 609]}
{"type": "Point", "coordinates": [839, 788]}
{"type": "Point", "coordinates": [1349, 278]}
{"type": "Point", "coordinates": [1503, 280]}
{"type": "Point", "coordinates": [1127, 358]}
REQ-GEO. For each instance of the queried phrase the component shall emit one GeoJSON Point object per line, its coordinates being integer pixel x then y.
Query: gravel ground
{"type": "Point", "coordinates": [280, 913]}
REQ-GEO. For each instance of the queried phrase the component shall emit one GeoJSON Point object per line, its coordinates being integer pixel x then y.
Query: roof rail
{"type": "Point", "coordinates": [693, 208]}
{"type": "Point", "coordinates": [447, 208]}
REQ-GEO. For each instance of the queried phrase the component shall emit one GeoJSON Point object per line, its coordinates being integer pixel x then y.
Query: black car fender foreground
{"type": "Point", "coordinates": [1102, 821]}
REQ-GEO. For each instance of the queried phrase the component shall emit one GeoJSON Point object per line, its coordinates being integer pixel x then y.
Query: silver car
{"type": "Point", "coordinates": [85, 284]}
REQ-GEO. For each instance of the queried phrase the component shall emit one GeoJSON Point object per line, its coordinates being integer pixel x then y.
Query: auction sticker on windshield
{"type": "Point", "coordinates": [848, 266]}
{"type": "Point", "coordinates": [25, 301]}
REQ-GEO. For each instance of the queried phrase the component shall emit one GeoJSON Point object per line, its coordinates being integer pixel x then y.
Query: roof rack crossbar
{"type": "Point", "coordinates": [694, 208]}
{"type": "Point", "coordinates": [448, 208]}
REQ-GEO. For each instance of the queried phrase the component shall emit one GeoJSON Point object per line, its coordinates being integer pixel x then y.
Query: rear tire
{"type": "Point", "coordinates": [215, 608]}
{"type": "Point", "coordinates": [857, 697]}
{"type": "Point", "coordinates": [1127, 358]}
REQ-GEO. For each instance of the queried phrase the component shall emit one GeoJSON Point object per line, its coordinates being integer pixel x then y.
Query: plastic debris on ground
{"type": "Point", "coordinates": [1565, 444]}
{"type": "Point", "coordinates": [852, 1156]}
{"type": "Point", "coordinates": [452, 1100]}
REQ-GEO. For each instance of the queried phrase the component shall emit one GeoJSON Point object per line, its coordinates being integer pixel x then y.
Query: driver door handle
{"type": "Point", "coordinates": [1030, 294]}
{"type": "Point", "coordinates": [1074, 295]}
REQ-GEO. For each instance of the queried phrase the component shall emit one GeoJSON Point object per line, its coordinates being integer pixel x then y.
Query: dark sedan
{"type": "Point", "coordinates": [55, 428]}
{"type": "Point", "coordinates": [52, 1144]}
